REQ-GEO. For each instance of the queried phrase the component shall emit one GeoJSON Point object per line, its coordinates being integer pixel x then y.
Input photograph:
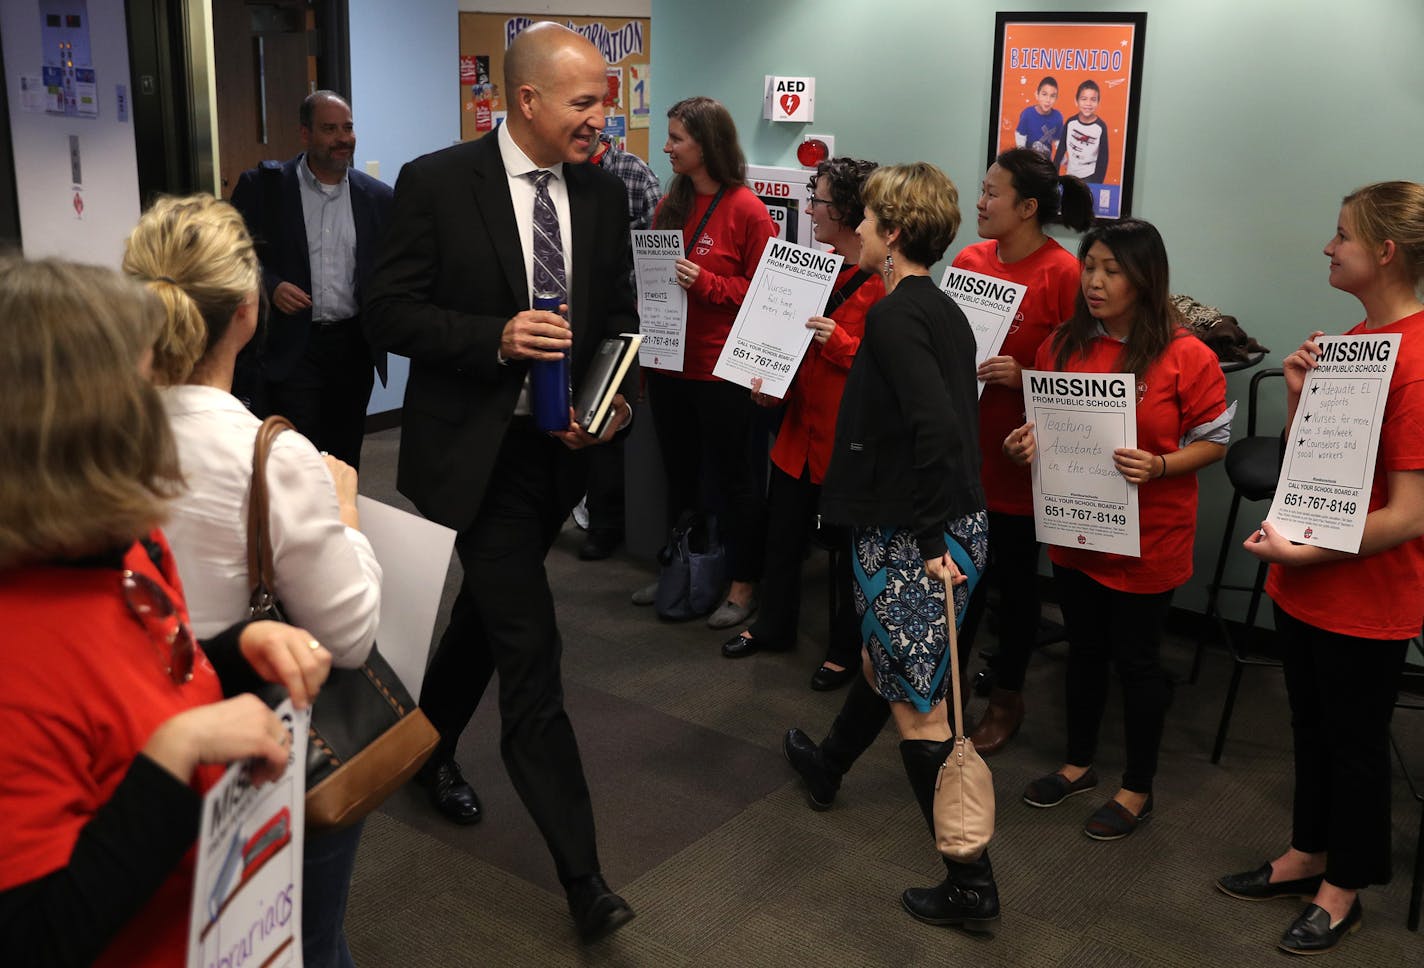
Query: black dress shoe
{"type": "Point", "coordinates": [450, 793]}
{"type": "Point", "coordinates": [740, 646]}
{"type": "Point", "coordinates": [596, 910]}
{"type": "Point", "coordinates": [599, 544]}
{"type": "Point", "coordinates": [1311, 934]}
{"type": "Point", "coordinates": [1256, 885]}
{"type": "Point", "coordinates": [824, 679]}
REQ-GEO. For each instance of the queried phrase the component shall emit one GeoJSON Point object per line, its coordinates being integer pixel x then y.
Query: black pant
{"type": "Point", "coordinates": [503, 620]}
{"type": "Point", "coordinates": [1342, 692]}
{"type": "Point", "coordinates": [326, 394]}
{"type": "Point", "coordinates": [693, 416]}
{"type": "Point", "coordinates": [605, 486]}
{"type": "Point", "coordinates": [1013, 570]}
{"type": "Point", "coordinates": [1108, 626]}
{"type": "Point", "coordinates": [791, 505]}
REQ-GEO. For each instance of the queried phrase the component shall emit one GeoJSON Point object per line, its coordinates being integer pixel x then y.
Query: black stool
{"type": "Point", "coordinates": [1253, 465]}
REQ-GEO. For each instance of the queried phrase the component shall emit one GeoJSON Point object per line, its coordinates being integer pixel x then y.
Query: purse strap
{"type": "Point", "coordinates": [953, 630]}
{"type": "Point", "coordinates": [261, 576]}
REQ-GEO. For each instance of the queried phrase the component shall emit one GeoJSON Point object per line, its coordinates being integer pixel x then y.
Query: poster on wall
{"type": "Point", "coordinates": [1068, 85]}
{"type": "Point", "coordinates": [640, 93]}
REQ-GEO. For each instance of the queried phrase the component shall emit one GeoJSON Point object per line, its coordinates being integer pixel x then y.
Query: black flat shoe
{"type": "Point", "coordinates": [600, 543]}
{"type": "Point", "coordinates": [824, 679]}
{"type": "Point", "coordinates": [1311, 934]}
{"type": "Point", "coordinates": [1113, 821]}
{"type": "Point", "coordinates": [1053, 789]}
{"type": "Point", "coordinates": [1256, 885]}
{"type": "Point", "coordinates": [450, 793]}
{"type": "Point", "coordinates": [740, 646]}
{"type": "Point", "coordinates": [596, 910]}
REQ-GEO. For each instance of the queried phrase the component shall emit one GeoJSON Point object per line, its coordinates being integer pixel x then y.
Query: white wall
{"type": "Point", "coordinates": [48, 224]}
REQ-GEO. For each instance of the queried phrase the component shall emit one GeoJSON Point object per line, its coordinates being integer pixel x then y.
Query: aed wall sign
{"type": "Point", "coordinates": [790, 99]}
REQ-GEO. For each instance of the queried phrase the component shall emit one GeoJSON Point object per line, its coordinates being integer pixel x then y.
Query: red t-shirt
{"type": "Point", "coordinates": [1052, 275]}
{"type": "Point", "coordinates": [1182, 389]}
{"type": "Point", "coordinates": [728, 252]}
{"type": "Point", "coordinates": [808, 427]}
{"type": "Point", "coordinates": [84, 688]}
{"type": "Point", "coordinates": [1380, 596]}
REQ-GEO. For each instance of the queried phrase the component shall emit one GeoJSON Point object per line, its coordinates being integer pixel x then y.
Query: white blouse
{"type": "Point", "coordinates": [327, 576]}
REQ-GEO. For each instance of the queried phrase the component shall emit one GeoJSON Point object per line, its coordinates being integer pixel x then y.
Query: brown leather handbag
{"type": "Point", "coordinates": [367, 735]}
{"type": "Point", "coordinates": [964, 790]}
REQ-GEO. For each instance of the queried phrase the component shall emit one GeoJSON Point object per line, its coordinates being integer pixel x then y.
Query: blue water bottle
{"type": "Point", "coordinates": [549, 390]}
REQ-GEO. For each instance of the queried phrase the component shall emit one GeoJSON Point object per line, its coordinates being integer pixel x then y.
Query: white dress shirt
{"type": "Point", "coordinates": [331, 245]}
{"type": "Point", "coordinates": [327, 576]}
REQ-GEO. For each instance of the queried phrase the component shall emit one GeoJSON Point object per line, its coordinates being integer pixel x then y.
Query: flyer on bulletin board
{"type": "Point", "coordinates": [247, 885]}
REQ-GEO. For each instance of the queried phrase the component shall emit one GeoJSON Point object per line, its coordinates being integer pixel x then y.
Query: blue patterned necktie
{"type": "Point", "coordinates": [548, 243]}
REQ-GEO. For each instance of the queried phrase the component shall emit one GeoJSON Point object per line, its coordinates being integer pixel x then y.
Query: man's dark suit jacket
{"type": "Point", "coordinates": [450, 276]}
{"type": "Point", "coordinates": [270, 200]}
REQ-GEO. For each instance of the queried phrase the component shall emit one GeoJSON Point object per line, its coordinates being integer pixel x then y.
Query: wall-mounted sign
{"type": "Point", "coordinates": [789, 99]}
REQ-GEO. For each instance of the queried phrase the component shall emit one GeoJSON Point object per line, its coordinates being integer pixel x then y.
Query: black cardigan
{"type": "Point", "coordinates": [906, 450]}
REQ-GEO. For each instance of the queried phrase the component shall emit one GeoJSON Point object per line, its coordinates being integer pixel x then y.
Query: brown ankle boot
{"type": "Point", "coordinates": [1001, 721]}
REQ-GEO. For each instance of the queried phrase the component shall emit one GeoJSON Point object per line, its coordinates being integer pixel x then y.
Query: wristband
{"type": "Point", "coordinates": [1163, 459]}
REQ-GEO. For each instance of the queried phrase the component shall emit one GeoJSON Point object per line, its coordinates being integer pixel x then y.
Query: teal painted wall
{"type": "Point", "coordinates": [1256, 118]}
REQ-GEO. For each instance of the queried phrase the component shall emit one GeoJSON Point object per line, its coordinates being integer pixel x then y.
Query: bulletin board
{"type": "Point", "coordinates": [626, 44]}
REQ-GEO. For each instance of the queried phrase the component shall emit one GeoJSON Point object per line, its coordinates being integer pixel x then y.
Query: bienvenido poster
{"type": "Point", "coordinates": [1323, 493]}
{"type": "Point", "coordinates": [989, 304]}
{"type": "Point", "coordinates": [1080, 499]}
{"type": "Point", "coordinates": [662, 303]}
{"type": "Point", "coordinates": [247, 885]}
{"type": "Point", "coordinates": [769, 336]}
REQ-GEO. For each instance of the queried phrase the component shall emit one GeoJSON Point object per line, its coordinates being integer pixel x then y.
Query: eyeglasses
{"type": "Point", "coordinates": [812, 201]}
{"type": "Point", "coordinates": [159, 617]}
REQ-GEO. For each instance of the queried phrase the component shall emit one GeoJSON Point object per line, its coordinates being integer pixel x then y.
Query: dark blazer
{"type": "Point", "coordinates": [269, 198]}
{"type": "Point", "coordinates": [450, 276]}
{"type": "Point", "coordinates": [906, 450]}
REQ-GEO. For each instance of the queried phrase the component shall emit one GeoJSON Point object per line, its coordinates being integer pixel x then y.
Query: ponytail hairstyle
{"type": "Point", "coordinates": [195, 254]}
{"type": "Point", "coordinates": [1141, 255]}
{"type": "Point", "coordinates": [1391, 211]}
{"type": "Point", "coordinates": [709, 124]}
{"type": "Point", "coordinates": [1062, 199]}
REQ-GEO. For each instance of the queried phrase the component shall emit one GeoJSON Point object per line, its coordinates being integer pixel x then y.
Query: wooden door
{"type": "Point", "coordinates": [263, 68]}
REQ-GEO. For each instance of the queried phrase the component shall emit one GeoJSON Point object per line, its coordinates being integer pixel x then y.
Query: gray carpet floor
{"type": "Point", "coordinates": [706, 831]}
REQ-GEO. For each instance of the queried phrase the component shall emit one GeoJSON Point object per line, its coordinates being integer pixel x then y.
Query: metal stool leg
{"type": "Point", "coordinates": [1226, 712]}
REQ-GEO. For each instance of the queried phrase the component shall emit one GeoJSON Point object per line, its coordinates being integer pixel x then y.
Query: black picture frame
{"type": "Point", "coordinates": [1106, 50]}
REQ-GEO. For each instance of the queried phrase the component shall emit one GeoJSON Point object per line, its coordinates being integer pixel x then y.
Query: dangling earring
{"type": "Point", "coordinates": [888, 267]}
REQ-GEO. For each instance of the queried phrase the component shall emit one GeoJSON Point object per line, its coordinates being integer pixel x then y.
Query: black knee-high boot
{"type": "Point", "coordinates": [860, 720]}
{"type": "Point", "coordinates": [968, 898]}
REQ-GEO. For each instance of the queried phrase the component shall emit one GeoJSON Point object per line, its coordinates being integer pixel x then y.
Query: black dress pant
{"type": "Point", "coordinates": [791, 506]}
{"type": "Point", "coordinates": [605, 486]}
{"type": "Point", "coordinates": [1013, 571]}
{"type": "Point", "coordinates": [1342, 691]}
{"type": "Point", "coordinates": [326, 394]}
{"type": "Point", "coordinates": [1106, 626]}
{"type": "Point", "coordinates": [503, 619]}
{"type": "Point", "coordinates": [693, 417]}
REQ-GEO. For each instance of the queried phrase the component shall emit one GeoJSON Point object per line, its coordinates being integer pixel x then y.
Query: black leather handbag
{"type": "Point", "coordinates": [367, 735]}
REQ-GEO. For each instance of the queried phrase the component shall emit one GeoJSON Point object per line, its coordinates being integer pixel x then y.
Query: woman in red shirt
{"type": "Point", "coordinates": [725, 228]}
{"type": "Point", "coordinates": [113, 717]}
{"type": "Point", "coordinates": [1345, 620]}
{"type": "Point", "coordinates": [1115, 606]}
{"type": "Point", "coordinates": [1021, 193]}
{"type": "Point", "coordinates": [803, 443]}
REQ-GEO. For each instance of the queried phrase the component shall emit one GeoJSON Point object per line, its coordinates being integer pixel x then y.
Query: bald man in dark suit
{"type": "Point", "coordinates": [472, 235]}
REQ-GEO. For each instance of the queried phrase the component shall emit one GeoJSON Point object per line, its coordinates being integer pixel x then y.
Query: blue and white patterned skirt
{"type": "Point", "coordinates": [902, 608]}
